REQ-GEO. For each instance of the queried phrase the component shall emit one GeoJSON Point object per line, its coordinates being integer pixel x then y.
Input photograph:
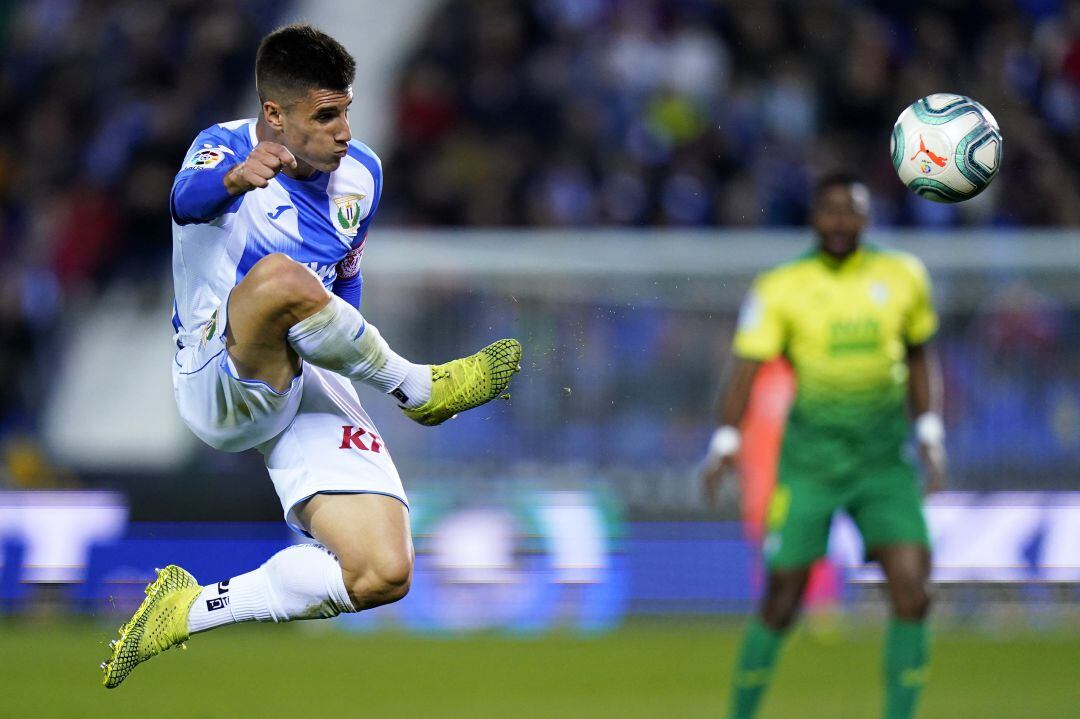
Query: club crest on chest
{"type": "Point", "coordinates": [345, 214]}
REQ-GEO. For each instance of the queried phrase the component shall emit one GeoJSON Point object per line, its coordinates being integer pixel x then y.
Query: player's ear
{"type": "Point", "coordinates": [274, 115]}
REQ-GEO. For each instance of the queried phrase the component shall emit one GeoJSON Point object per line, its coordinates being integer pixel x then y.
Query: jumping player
{"type": "Point", "coordinates": [270, 216]}
{"type": "Point", "coordinates": [855, 323]}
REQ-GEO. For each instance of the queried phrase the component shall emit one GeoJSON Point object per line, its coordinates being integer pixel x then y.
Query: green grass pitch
{"type": "Point", "coordinates": [645, 670]}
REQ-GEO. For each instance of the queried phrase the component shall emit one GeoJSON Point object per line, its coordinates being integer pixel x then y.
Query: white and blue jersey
{"type": "Point", "coordinates": [320, 221]}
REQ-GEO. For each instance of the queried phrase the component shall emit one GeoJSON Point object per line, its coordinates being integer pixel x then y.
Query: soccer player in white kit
{"type": "Point", "coordinates": [270, 216]}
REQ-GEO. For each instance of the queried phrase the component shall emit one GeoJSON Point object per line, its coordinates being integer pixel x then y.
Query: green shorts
{"type": "Point", "coordinates": [881, 496]}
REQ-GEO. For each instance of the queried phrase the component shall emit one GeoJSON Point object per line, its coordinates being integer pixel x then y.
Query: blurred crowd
{"type": "Point", "coordinates": [702, 112]}
{"type": "Point", "coordinates": [100, 101]}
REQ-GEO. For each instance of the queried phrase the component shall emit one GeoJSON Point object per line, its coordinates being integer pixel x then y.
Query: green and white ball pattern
{"type": "Point", "coordinates": [946, 148]}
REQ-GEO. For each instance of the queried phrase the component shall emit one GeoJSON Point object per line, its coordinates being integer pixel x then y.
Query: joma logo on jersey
{"type": "Point", "coordinates": [352, 438]}
{"type": "Point", "coordinates": [859, 335]}
{"type": "Point", "coordinates": [346, 213]}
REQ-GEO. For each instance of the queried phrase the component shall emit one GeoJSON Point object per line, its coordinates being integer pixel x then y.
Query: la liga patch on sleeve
{"type": "Point", "coordinates": [205, 159]}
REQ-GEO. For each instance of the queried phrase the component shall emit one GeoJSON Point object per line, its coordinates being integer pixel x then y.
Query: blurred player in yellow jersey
{"type": "Point", "coordinates": [855, 322]}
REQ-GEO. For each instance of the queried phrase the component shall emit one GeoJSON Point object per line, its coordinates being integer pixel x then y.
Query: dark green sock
{"type": "Point", "coordinates": [754, 670]}
{"type": "Point", "coordinates": [907, 655]}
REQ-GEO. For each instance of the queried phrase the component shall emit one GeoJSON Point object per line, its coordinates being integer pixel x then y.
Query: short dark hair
{"type": "Point", "coordinates": [836, 178]}
{"type": "Point", "coordinates": [296, 58]}
{"type": "Point", "coordinates": [860, 193]}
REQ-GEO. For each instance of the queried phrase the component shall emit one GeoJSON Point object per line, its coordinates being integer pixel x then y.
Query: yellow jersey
{"type": "Point", "coordinates": [845, 327]}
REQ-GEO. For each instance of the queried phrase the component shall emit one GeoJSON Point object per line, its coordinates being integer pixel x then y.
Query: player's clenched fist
{"type": "Point", "coordinates": [258, 168]}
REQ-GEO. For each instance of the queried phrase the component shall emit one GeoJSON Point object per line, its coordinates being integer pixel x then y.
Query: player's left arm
{"type": "Point", "coordinates": [924, 381]}
{"type": "Point", "coordinates": [349, 282]}
{"type": "Point", "coordinates": [760, 335]}
{"type": "Point", "coordinates": [925, 396]}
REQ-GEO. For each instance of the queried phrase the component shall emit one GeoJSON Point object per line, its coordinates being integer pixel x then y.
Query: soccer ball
{"type": "Point", "coordinates": [946, 148]}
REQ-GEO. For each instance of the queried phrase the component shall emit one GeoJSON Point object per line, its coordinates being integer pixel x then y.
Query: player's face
{"type": "Point", "coordinates": [316, 128]}
{"type": "Point", "coordinates": [839, 217]}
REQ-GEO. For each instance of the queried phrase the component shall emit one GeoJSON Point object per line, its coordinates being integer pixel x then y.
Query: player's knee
{"type": "Point", "coordinates": [286, 285]}
{"type": "Point", "coordinates": [780, 610]}
{"type": "Point", "coordinates": [912, 601]}
{"type": "Point", "coordinates": [779, 616]}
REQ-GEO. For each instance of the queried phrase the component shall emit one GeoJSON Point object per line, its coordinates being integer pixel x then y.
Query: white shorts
{"type": "Point", "coordinates": [315, 437]}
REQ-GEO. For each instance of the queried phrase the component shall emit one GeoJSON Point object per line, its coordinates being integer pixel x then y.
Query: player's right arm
{"type": "Point", "coordinates": [761, 335]}
{"type": "Point", "coordinates": [214, 176]}
{"type": "Point", "coordinates": [726, 440]}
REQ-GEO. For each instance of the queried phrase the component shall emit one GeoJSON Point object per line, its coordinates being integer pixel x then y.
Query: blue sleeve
{"type": "Point", "coordinates": [349, 289]}
{"type": "Point", "coordinates": [349, 281]}
{"type": "Point", "coordinates": [198, 192]}
{"type": "Point", "coordinates": [366, 157]}
{"type": "Point", "coordinates": [200, 196]}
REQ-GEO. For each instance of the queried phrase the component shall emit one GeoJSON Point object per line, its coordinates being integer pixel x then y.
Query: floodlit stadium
{"type": "Point", "coordinates": [783, 437]}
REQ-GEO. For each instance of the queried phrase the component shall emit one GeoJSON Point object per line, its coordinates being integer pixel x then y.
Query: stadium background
{"type": "Point", "coordinates": [600, 178]}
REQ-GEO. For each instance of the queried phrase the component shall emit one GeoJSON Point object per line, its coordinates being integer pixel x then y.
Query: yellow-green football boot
{"type": "Point", "coordinates": [468, 382]}
{"type": "Point", "coordinates": [158, 624]}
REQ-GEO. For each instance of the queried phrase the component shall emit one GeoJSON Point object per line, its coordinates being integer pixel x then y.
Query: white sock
{"type": "Point", "coordinates": [300, 582]}
{"type": "Point", "coordinates": [415, 389]}
{"type": "Point", "coordinates": [338, 338]}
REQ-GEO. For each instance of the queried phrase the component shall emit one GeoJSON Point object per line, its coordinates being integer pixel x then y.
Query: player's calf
{"type": "Point", "coordinates": [369, 535]}
{"type": "Point", "coordinates": [376, 580]}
